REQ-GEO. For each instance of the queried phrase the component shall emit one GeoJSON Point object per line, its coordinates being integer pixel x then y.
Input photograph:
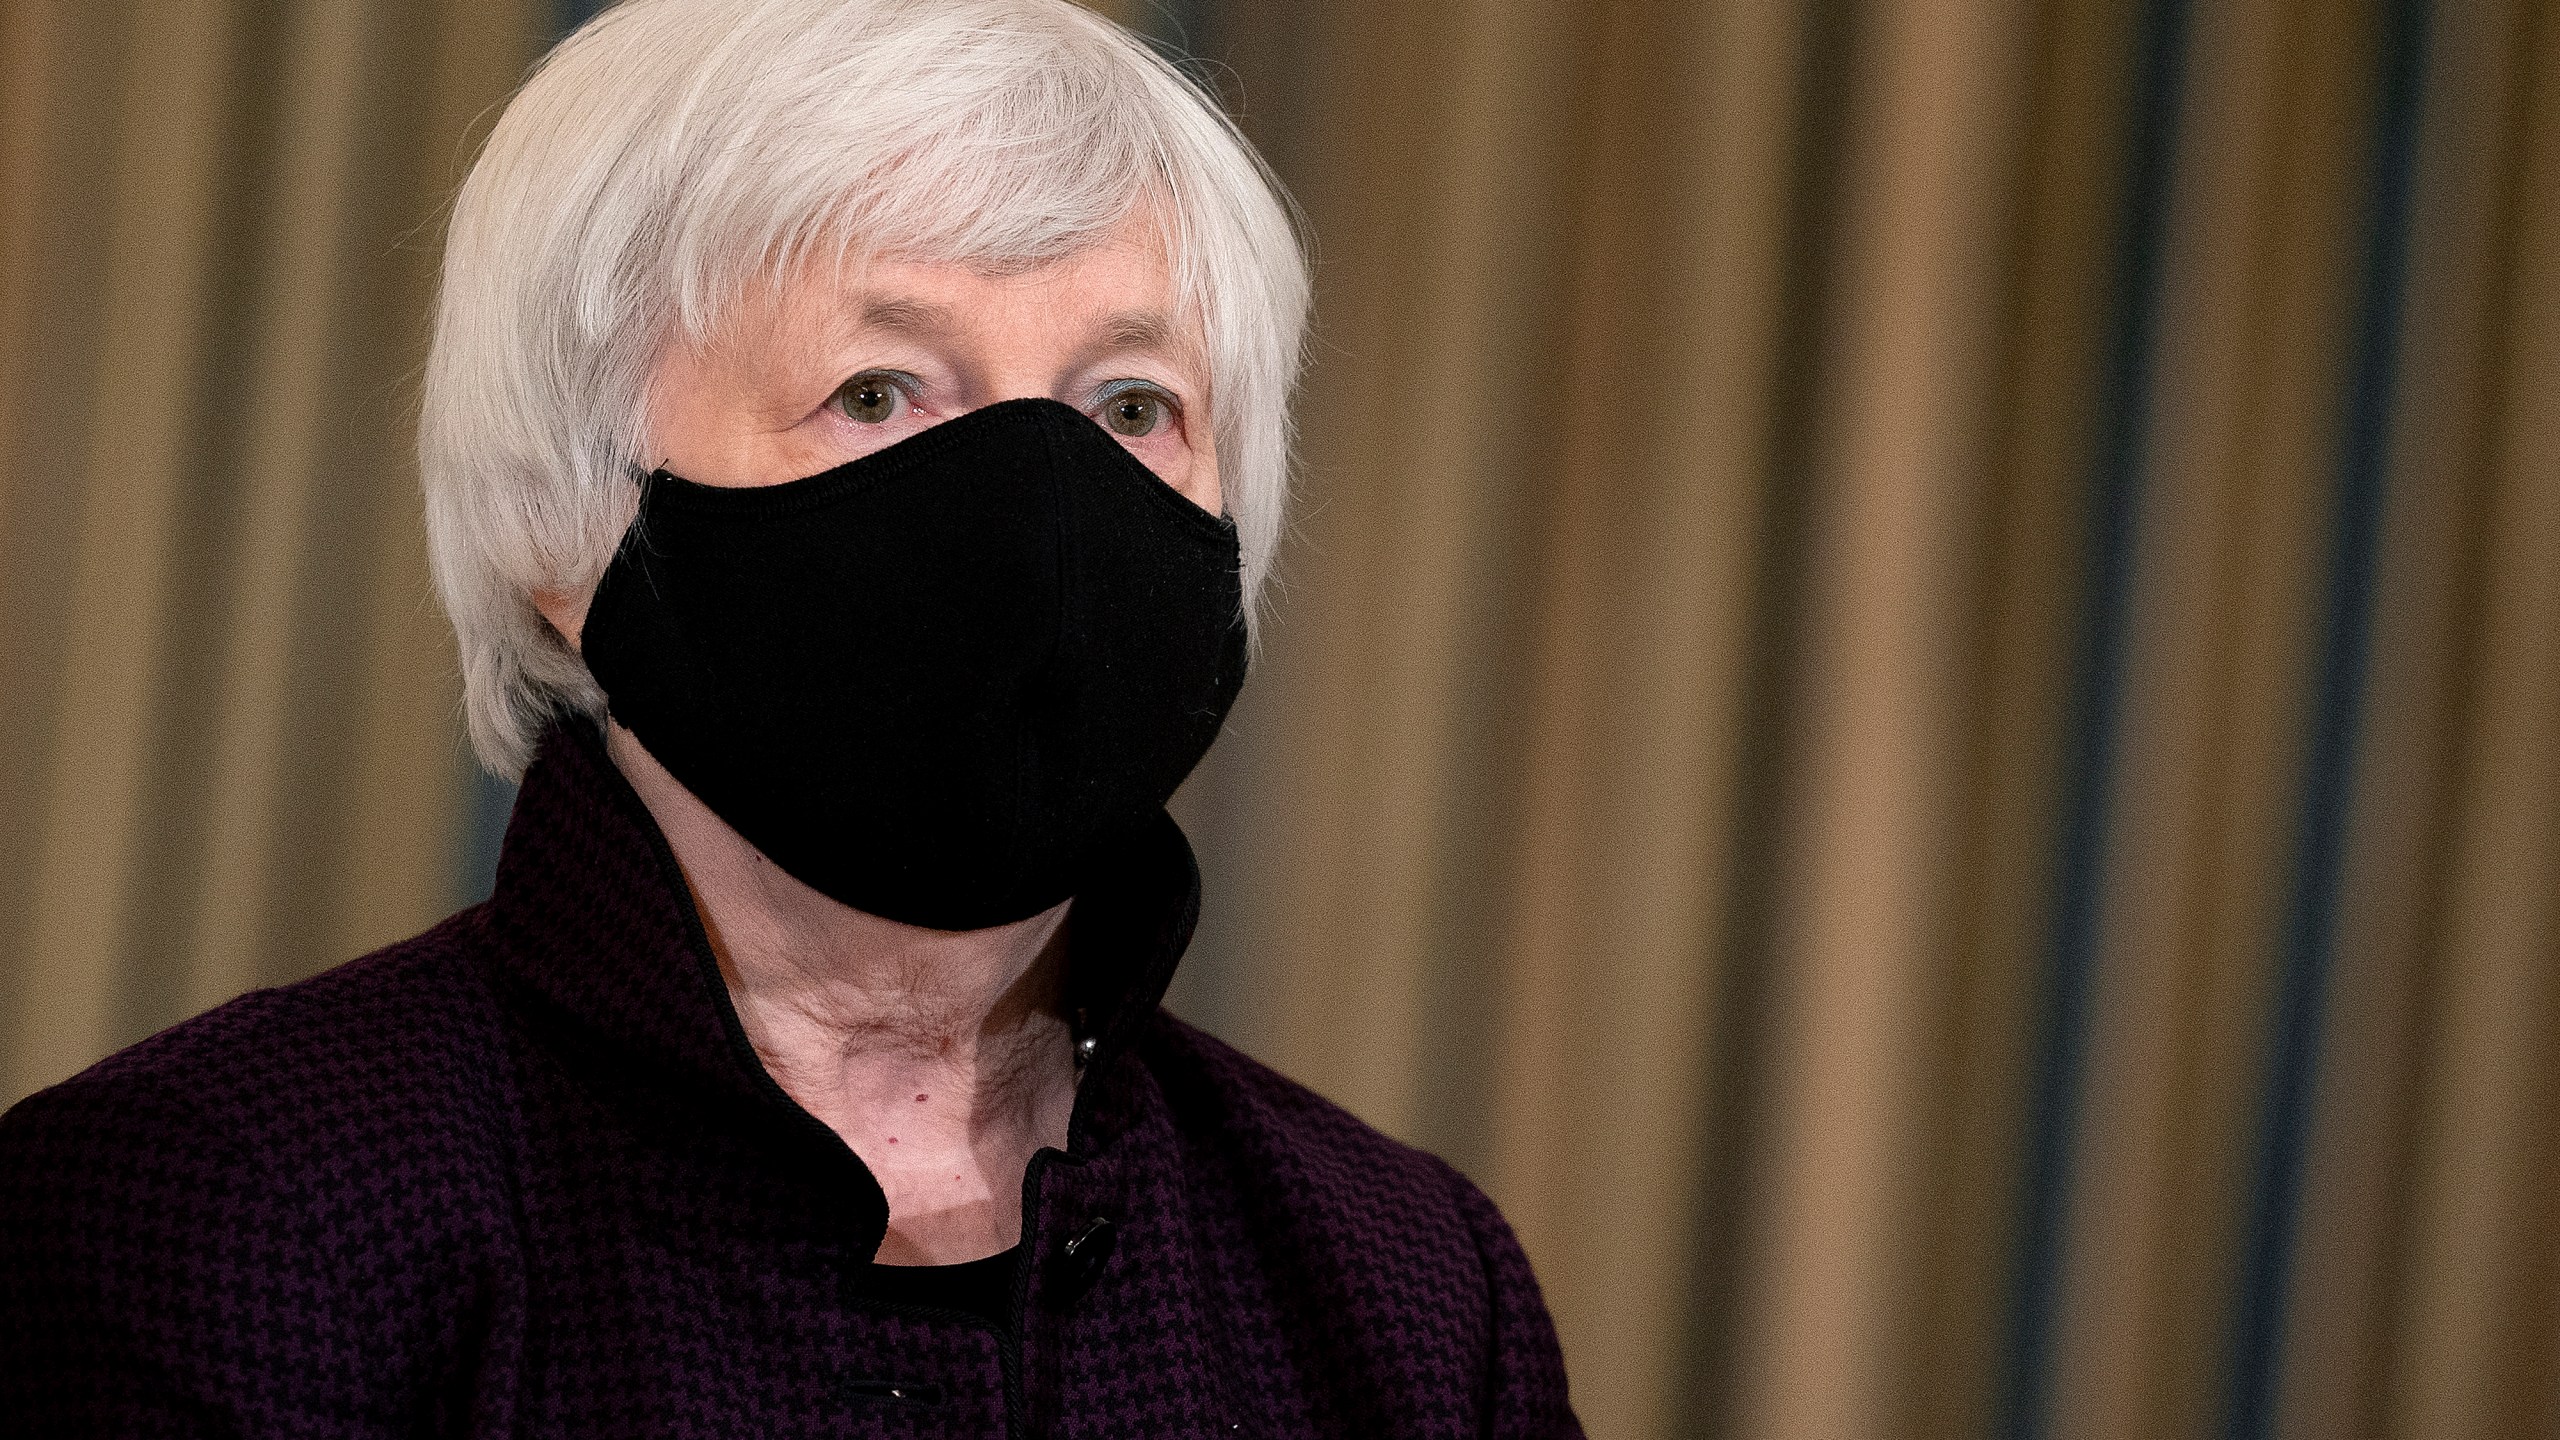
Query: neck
{"type": "Point", "coordinates": [941, 1057]}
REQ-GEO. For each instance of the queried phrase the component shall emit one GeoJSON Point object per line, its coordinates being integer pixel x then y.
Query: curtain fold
{"type": "Point", "coordinates": [1866, 866]}
{"type": "Point", "coordinates": [2229, 577]}
{"type": "Point", "coordinates": [2474, 1348]}
{"type": "Point", "coordinates": [1699, 665]}
{"type": "Point", "coordinates": [230, 749]}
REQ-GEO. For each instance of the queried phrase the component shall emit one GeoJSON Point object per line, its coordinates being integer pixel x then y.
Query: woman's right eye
{"type": "Point", "coordinates": [870, 398]}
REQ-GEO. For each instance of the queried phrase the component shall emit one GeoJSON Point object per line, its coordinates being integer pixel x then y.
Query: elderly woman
{"type": "Point", "coordinates": [854, 440]}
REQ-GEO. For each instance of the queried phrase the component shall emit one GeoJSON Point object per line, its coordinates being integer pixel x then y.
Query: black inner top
{"type": "Point", "coordinates": [979, 1288]}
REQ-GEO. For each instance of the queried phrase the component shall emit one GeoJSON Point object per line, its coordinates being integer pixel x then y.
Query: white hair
{"type": "Point", "coordinates": [674, 155]}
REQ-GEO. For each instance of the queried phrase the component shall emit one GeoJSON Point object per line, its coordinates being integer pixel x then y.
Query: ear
{"type": "Point", "coordinates": [567, 611]}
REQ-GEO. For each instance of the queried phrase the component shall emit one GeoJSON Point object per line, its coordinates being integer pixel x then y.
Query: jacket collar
{"type": "Point", "coordinates": [592, 915]}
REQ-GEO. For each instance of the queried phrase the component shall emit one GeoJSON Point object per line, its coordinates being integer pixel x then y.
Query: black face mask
{"type": "Point", "coordinates": [939, 682]}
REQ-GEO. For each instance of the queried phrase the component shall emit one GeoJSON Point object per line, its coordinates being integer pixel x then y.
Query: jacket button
{"type": "Point", "coordinates": [1081, 1260]}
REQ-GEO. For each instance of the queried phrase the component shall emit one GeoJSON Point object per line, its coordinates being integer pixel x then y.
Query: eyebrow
{"type": "Point", "coordinates": [906, 317]}
{"type": "Point", "coordinates": [1135, 330]}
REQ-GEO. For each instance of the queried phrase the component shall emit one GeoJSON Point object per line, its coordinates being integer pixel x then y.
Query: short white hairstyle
{"type": "Point", "coordinates": [673, 156]}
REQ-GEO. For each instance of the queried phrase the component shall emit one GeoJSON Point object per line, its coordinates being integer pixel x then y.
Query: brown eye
{"type": "Point", "coordinates": [1134, 413]}
{"type": "Point", "coordinates": [868, 399]}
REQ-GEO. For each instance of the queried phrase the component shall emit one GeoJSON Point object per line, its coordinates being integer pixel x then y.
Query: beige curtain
{"type": "Point", "coordinates": [2431, 1302]}
{"type": "Point", "coordinates": [227, 752]}
{"type": "Point", "coordinates": [1655, 688]}
{"type": "Point", "coordinates": [1653, 796]}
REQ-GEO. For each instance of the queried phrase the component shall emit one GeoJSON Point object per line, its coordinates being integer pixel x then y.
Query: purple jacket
{"type": "Point", "coordinates": [522, 1175]}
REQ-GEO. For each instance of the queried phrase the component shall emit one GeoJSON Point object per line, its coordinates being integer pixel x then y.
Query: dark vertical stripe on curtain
{"type": "Point", "coordinates": [2311, 921]}
{"type": "Point", "coordinates": [2116, 481]}
{"type": "Point", "coordinates": [1736, 1059]}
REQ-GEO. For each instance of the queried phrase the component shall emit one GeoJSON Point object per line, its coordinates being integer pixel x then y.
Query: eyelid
{"type": "Point", "coordinates": [1111, 390]}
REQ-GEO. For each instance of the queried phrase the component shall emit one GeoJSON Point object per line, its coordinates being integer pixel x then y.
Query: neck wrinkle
{"type": "Point", "coordinates": [854, 1014]}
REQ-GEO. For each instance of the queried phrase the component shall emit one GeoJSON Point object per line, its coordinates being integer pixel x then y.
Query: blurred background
{"type": "Point", "coordinates": [1915, 704]}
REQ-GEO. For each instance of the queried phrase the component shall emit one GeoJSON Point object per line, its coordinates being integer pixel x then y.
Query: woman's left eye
{"type": "Point", "coordinates": [870, 398]}
{"type": "Point", "coordinates": [1136, 412]}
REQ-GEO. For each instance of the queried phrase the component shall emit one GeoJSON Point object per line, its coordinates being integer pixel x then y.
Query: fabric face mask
{"type": "Point", "coordinates": [936, 683]}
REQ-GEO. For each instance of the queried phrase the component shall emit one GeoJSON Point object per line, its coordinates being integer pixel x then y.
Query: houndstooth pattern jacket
{"type": "Point", "coordinates": [523, 1176]}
